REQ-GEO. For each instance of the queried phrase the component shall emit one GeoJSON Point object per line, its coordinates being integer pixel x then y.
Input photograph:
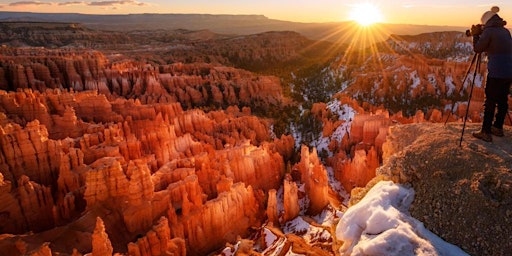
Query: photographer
{"type": "Point", "coordinates": [493, 38]}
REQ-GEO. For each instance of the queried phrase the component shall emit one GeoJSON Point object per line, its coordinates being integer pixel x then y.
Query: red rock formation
{"type": "Point", "coordinates": [158, 242]}
{"type": "Point", "coordinates": [137, 213]}
{"type": "Point", "coordinates": [255, 166]}
{"type": "Point", "coordinates": [191, 84]}
{"type": "Point", "coordinates": [82, 154]}
{"type": "Point", "coordinates": [28, 152]}
{"type": "Point", "coordinates": [12, 219]}
{"type": "Point", "coordinates": [43, 250]}
{"type": "Point", "coordinates": [290, 201]}
{"type": "Point", "coordinates": [356, 172]}
{"type": "Point", "coordinates": [225, 184]}
{"type": "Point", "coordinates": [36, 202]}
{"type": "Point", "coordinates": [314, 176]}
{"type": "Point", "coordinates": [272, 212]}
{"type": "Point", "coordinates": [366, 127]}
{"type": "Point", "coordinates": [212, 225]}
{"type": "Point", "coordinates": [187, 187]}
{"type": "Point", "coordinates": [105, 183]}
{"type": "Point", "coordinates": [101, 245]}
{"type": "Point", "coordinates": [284, 146]}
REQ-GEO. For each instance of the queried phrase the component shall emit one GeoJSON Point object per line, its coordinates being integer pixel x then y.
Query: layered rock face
{"type": "Point", "coordinates": [193, 85]}
{"type": "Point", "coordinates": [143, 173]}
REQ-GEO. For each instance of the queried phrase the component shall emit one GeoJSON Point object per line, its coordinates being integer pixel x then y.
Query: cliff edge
{"type": "Point", "coordinates": [462, 193]}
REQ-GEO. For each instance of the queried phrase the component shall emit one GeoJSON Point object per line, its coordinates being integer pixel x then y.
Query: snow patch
{"type": "Point", "coordinates": [228, 251]}
{"type": "Point", "coordinates": [328, 217]}
{"type": "Point", "coordinates": [270, 237]}
{"type": "Point", "coordinates": [276, 247]}
{"type": "Point", "coordinates": [310, 233]}
{"type": "Point", "coordinates": [450, 85]}
{"type": "Point", "coordinates": [380, 225]}
{"type": "Point", "coordinates": [415, 79]}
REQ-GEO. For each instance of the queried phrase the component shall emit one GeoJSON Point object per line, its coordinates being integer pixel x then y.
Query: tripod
{"type": "Point", "coordinates": [478, 57]}
{"type": "Point", "coordinates": [478, 60]}
{"type": "Point", "coordinates": [475, 56]}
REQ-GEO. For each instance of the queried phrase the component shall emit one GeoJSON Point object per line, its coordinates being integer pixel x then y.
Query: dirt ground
{"type": "Point", "coordinates": [463, 194]}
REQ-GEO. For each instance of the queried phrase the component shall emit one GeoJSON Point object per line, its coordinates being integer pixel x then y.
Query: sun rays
{"type": "Point", "coordinates": [364, 39]}
{"type": "Point", "coordinates": [370, 46]}
{"type": "Point", "coordinates": [366, 14]}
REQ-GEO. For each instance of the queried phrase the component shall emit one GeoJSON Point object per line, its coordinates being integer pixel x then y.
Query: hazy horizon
{"type": "Point", "coordinates": [434, 12]}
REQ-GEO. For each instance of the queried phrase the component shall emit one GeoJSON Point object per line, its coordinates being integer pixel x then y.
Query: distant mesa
{"type": "Point", "coordinates": [223, 24]}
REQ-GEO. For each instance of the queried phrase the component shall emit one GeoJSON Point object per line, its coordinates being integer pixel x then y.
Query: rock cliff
{"type": "Point", "coordinates": [467, 188]}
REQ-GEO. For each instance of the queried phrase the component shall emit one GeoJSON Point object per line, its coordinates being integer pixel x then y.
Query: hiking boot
{"type": "Point", "coordinates": [497, 132]}
{"type": "Point", "coordinates": [483, 136]}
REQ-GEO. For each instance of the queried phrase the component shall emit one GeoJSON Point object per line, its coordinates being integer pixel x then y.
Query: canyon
{"type": "Point", "coordinates": [195, 143]}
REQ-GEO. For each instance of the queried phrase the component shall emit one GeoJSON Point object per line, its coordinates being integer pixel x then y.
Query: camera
{"type": "Point", "coordinates": [475, 30]}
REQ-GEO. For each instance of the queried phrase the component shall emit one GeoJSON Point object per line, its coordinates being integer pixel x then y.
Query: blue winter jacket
{"type": "Point", "coordinates": [497, 42]}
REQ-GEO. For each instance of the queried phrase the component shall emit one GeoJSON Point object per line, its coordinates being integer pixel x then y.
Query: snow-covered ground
{"type": "Point", "coordinates": [344, 112]}
{"type": "Point", "coordinates": [381, 225]}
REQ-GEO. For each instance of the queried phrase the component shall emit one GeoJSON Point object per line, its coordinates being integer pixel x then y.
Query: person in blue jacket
{"type": "Point", "coordinates": [494, 39]}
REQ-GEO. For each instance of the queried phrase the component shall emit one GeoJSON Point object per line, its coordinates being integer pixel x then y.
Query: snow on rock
{"type": "Point", "coordinates": [416, 80]}
{"type": "Point", "coordinates": [380, 225]}
{"type": "Point", "coordinates": [328, 217]}
{"type": "Point", "coordinates": [450, 85]}
{"type": "Point", "coordinates": [270, 237]}
{"type": "Point", "coordinates": [276, 247]}
{"type": "Point", "coordinates": [230, 251]}
{"type": "Point", "coordinates": [343, 112]}
{"type": "Point", "coordinates": [312, 234]}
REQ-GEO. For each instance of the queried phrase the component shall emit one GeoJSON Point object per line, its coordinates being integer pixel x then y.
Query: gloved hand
{"type": "Point", "coordinates": [476, 30]}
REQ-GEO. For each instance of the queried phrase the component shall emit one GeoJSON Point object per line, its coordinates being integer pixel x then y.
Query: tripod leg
{"type": "Point", "coordinates": [462, 86]}
{"type": "Point", "coordinates": [470, 95]}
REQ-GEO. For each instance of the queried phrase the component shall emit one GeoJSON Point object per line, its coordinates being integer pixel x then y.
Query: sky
{"type": "Point", "coordinates": [424, 12]}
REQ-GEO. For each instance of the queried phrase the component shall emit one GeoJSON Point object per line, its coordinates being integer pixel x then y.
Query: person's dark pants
{"type": "Point", "coordinates": [496, 94]}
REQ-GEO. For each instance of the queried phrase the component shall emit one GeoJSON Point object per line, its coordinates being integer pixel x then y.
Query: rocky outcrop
{"type": "Point", "coordinates": [470, 184]}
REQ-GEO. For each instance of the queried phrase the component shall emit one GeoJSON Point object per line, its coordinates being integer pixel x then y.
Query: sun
{"type": "Point", "coordinates": [365, 14]}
